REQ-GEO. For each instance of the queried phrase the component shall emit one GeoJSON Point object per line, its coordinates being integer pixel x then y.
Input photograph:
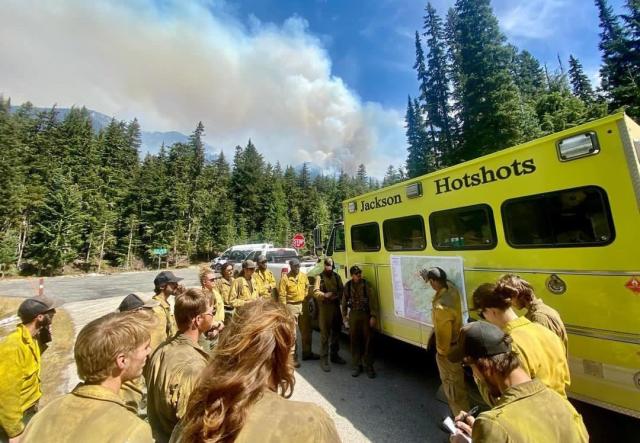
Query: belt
{"type": "Point", "coordinates": [295, 302]}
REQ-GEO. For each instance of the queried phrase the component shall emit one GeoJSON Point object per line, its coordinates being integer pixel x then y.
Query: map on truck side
{"type": "Point", "coordinates": [412, 296]}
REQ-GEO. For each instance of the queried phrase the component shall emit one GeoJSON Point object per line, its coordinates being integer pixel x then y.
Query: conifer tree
{"type": "Point", "coordinates": [361, 182]}
{"type": "Point", "coordinates": [276, 227]}
{"type": "Point", "coordinates": [620, 78]}
{"type": "Point", "coordinates": [631, 90]}
{"type": "Point", "coordinates": [436, 92]}
{"type": "Point", "coordinates": [580, 83]}
{"type": "Point", "coordinates": [528, 75]}
{"type": "Point", "coordinates": [416, 161]}
{"type": "Point", "coordinates": [57, 227]}
{"type": "Point", "coordinates": [490, 107]}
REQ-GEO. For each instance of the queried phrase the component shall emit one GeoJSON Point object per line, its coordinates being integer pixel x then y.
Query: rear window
{"type": "Point", "coordinates": [404, 234]}
{"type": "Point", "coordinates": [365, 237]}
{"type": "Point", "coordinates": [466, 228]}
{"type": "Point", "coordinates": [568, 218]}
{"type": "Point", "coordinates": [281, 255]}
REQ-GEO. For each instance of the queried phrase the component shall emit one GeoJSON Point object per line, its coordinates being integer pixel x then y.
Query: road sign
{"type": "Point", "coordinates": [298, 241]}
{"type": "Point", "coordinates": [159, 251]}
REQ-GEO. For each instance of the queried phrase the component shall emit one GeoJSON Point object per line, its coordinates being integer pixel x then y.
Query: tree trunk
{"type": "Point", "coordinates": [128, 262]}
{"type": "Point", "coordinates": [22, 240]}
{"type": "Point", "coordinates": [89, 251]}
{"type": "Point", "coordinates": [104, 236]}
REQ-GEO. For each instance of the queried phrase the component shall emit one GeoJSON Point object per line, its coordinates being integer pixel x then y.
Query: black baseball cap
{"type": "Point", "coordinates": [134, 301]}
{"type": "Point", "coordinates": [165, 277]}
{"type": "Point", "coordinates": [34, 306]}
{"type": "Point", "coordinates": [294, 262]}
{"type": "Point", "coordinates": [479, 339]}
{"type": "Point", "coordinates": [355, 269]}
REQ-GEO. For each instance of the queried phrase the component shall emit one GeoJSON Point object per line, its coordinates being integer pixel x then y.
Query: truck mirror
{"type": "Point", "coordinates": [317, 237]}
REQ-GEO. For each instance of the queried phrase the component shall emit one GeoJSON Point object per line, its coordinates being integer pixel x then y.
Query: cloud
{"type": "Point", "coordinates": [174, 63]}
{"type": "Point", "coordinates": [533, 19]}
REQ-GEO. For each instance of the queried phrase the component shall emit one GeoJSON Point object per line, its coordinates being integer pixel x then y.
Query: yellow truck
{"type": "Point", "coordinates": [562, 211]}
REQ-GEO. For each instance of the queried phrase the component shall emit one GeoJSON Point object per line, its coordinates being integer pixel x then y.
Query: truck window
{"type": "Point", "coordinates": [466, 228]}
{"type": "Point", "coordinates": [567, 218]}
{"type": "Point", "coordinates": [365, 237]}
{"type": "Point", "coordinates": [338, 244]}
{"type": "Point", "coordinates": [404, 234]}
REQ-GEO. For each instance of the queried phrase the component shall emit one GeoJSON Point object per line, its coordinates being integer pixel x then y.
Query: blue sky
{"type": "Point", "coordinates": [322, 81]}
{"type": "Point", "coordinates": [371, 42]}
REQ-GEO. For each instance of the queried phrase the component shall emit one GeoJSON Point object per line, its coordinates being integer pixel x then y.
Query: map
{"type": "Point", "coordinates": [412, 295]}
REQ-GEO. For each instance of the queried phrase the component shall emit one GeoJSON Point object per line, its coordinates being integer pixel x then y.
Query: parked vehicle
{"type": "Point", "coordinates": [277, 260]}
{"type": "Point", "coordinates": [562, 211]}
{"type": "Point", "coordinates": [237, 253]}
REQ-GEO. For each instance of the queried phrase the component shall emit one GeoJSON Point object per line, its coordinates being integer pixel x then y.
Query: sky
{"type": "Point", "coordinates": [322, 81]}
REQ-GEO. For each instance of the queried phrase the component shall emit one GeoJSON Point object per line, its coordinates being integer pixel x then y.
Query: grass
{"type": "Point", "coordinates": [58, 356]}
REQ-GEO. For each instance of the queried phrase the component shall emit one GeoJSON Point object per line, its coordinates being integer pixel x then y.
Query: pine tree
{"type": "Point", "coordinates": [361, 181]}
{"type": "Point", "coordinates": [436, 93]}
{"type": "Point", "coordinates": [580, 83]}
{"type": "Point", "coordinates": [57, 228]}
{"type": "Point", "coordinates": [276, 227]}
{"type": "Point", "coordinates": [631, 90]}
{"type": "Point", "coordinates": [416, 161]}
{"type": "Point", "coordinates": [620, 78]}
{"type": "Point", "coordinates": [557, 107]}
{"type": "Point", "coordinates": [528, 75]}
{"type": "Point", "coordinates": [391, 177]}
{"type": "Point", "coordinates": [490, 106]}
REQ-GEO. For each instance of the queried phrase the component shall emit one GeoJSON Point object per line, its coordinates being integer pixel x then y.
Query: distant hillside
{"type": "Point", "coordinates": [151, 140]}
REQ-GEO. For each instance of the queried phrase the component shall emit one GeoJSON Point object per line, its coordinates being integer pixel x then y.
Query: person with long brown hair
{"type": "Point", "coordinates": [242, 394]}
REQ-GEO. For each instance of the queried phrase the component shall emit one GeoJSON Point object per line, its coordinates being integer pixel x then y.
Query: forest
{"type": "Point", "coordinates": [80, 199]}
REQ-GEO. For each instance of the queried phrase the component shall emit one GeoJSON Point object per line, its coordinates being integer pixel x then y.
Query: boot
{"type": "Point", "coordinates": [335, 358]}
{"type": "Point", "coordinates": [371, 373]}
{"type": "Point", "coordinates": [296, 362]}
{"type": "Point", "coordinates": [356, 371]}
{"type": "Point", "coordinates": [324, 364]}
{"type": "Point", "coordinates": [311, 356]}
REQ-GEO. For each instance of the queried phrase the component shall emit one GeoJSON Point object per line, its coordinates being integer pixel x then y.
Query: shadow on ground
{"type": "Point", "coordinates": [398, 406]}
{"type": "Point", "coordinates": [401, 404]}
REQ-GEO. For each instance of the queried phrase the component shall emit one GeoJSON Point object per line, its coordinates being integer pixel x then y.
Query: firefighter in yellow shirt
{"type": "Point", "coordinates": [244, 288]}
{"type": "Point", "coordinates": [527, 410]}
{"type": "Point", "coordinates": [223, 285]}
{"type": "Point", "coordinates": [293, 290]}
{"type": "Point", "coordinates": [522, 297]}
{"type": "Point", "coordinates": [20, 388]}
{"type": "Point", "coordinates": [447, 320]}
{"type": "Point", "coordinates": [265, 280]}
{"type": "Point", "coordinates": [208, 280]}
{"type": "Point", "coordinates": [134, 392]}
{"type": "Point", "coordinates": [108, 351]}
{"type": "Point", "coordinates": [539, 350]}
{"type": "Point", "coordinates": [166, 284]}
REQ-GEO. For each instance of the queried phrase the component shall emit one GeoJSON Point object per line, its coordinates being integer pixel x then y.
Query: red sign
{"type": "Point", "coordinates": [298, 241]}
{"type": "Point", "coordinates": [633, 285]}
